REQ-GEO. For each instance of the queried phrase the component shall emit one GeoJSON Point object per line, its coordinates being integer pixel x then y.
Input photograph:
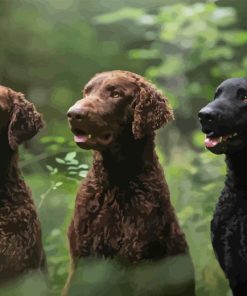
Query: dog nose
{"type": "Point", "coordinates": [207, 115]}
{"type": "Point", "coordinates": [76, 114]}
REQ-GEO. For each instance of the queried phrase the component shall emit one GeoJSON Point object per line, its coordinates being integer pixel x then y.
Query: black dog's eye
{"type": "Point", "coordinates": [242, 95]}
{"type": "Point", "coordinates": [244, 98]}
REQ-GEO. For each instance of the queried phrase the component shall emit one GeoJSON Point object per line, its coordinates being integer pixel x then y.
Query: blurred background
{"type": "Point", "coordinates": [50, 49]}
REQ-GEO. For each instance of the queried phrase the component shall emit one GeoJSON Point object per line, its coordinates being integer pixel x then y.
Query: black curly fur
{"type": "Point", "coordinates": [227, 115]}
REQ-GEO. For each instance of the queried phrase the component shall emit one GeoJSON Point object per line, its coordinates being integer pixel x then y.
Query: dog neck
{"type": "Point", "coordinates": [126, 158]}
{"type": "Point", "coordinates": [236, 170]}
{"type": "Point", "coordinates": [9, 171]}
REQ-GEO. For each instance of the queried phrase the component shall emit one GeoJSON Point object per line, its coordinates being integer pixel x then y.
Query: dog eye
{"type": "Point", "coordinates": [87, 90]}
{"type": "Point", "coordinates": [242, 95]}
{"type": "Point", "coordinates": [244, 98]}
{"type": "Point", "coordinates": [218, 92]}
{"type": "Point", "coordinates": [115, 94]}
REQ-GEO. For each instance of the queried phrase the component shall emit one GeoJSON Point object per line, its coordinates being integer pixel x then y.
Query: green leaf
{"type": "Point", "coordinates": [70, 156]}
{"type": "Point", "coordinates": [121, 14]}
{"type": "Point", "coordinates": [60, 160]}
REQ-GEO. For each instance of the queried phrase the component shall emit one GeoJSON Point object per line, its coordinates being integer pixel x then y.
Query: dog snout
{"type": "Point", "coordinates": [85, 109]}
{"type": "Point", "coordinates": [76, 114]}
{"type": "Point", "coordinates": [207, 114]}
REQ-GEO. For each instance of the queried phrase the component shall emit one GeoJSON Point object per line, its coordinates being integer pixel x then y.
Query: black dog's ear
{"type": "Point", "coordinates": [151, 110]}
{"type": "Point", "coordinates": [25, 121]}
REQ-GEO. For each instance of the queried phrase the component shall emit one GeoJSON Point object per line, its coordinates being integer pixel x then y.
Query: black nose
{"type": "Point", "coordinates": [208, 115]}
{"type": "Point", "coordinates": [76, 114]}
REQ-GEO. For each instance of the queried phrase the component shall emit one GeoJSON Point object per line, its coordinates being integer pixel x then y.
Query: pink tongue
{"type": "Point", "coordinates": [211, 142]}
{"type": "Point", "coordinates": [80, 139]}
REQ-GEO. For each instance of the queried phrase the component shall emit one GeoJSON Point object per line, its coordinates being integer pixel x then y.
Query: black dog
{"type": "Point", "coordinates": [224, 121]}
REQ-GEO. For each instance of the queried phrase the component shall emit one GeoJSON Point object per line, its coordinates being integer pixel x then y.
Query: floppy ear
{"type": "Point", "coordinates": [25, 121]}
{"type": "Point", "coordinates": [151, 110]}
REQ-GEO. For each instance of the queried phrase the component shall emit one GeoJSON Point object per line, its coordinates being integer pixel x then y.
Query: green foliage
{"type": "Point", "coordinates": [195, 182]}
{"type": "Point", "coordinates": [104, 277]}
{"type": "Point", "coordinates": [124, 13]}
{"type": "Point", "coordinates": [26, 285]}
{"type": "Point", "coordinates": [190, 46]}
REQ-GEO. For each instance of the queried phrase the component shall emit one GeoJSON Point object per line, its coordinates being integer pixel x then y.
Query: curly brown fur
{"type": "Point", "coordinates": [123, 206]}
{"type": "Point", "coordinates": [20, 233]}
{"type": "Point", "coordinates": [151, 109]}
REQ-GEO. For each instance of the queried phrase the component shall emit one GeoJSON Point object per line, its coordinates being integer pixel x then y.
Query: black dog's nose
{"type": "Point", "coordinates": [76, 114]}
{"type": "Point", "coordinates": [207, 114]}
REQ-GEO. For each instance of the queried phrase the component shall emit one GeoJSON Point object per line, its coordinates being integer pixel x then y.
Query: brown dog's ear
{"type": "Point", "coordinates": [151, 110]}
{"type": "Point", "coordinates": [25, 121]}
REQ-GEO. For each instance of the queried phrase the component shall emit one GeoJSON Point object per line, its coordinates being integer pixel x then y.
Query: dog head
{"type": "Point", "coordinates": [111, 101]}
{"type": "Point", "coordinates": [224, 120]}
{"type": "Point", "coordinates": [18, 117]}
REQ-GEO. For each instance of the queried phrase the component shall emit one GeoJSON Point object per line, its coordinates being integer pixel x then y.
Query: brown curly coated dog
{"type": "Point", "coordinates": [20, 234]}
{"type": "Point", "coordinates": [123, 207]}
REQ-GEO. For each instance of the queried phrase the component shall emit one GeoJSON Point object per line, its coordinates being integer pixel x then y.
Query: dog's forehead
{"type": "Point", "coordinates": [110, 78]}
{"type": "Point", "coordinates": [233, 83]}
{"type": "Point", "coordinates": [95, 81]}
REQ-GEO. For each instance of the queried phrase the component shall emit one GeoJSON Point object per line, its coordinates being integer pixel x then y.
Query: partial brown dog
{"type": "Point", "coordinates": [123, 206]}
{"type": "Point", "coordinates": [20, 233]}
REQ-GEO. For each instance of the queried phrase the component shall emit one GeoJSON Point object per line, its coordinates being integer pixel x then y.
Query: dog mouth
{"type": "Point", "coordinates": [82, 137]}
{"type": "Point", "coordinates": [212, 141]}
